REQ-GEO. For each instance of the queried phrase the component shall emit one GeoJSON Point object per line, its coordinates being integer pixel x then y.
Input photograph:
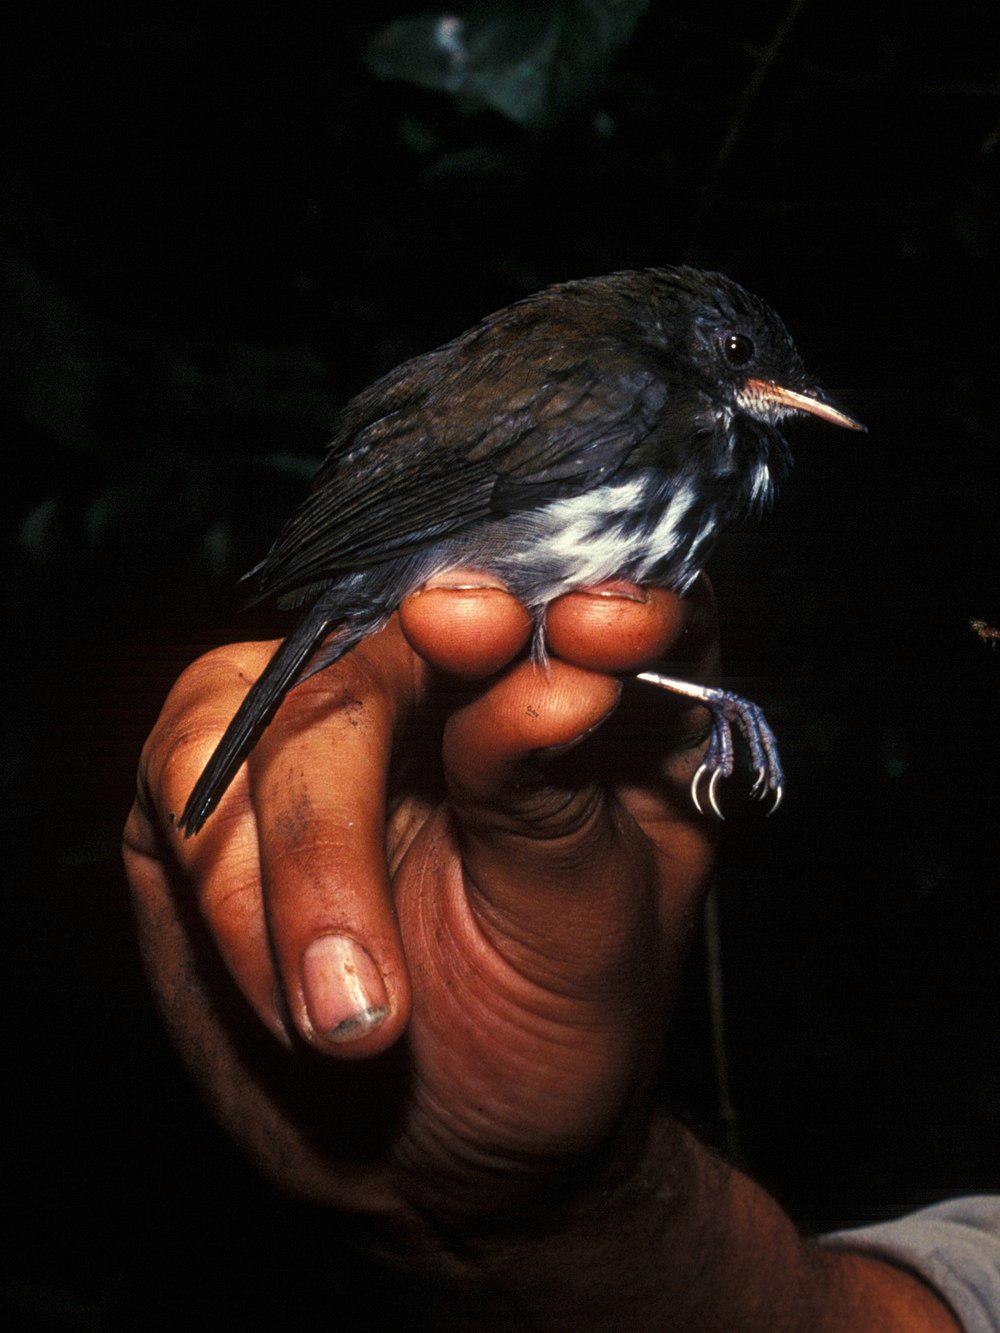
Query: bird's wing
{"type": "Point", "coordinates": [432, 449]}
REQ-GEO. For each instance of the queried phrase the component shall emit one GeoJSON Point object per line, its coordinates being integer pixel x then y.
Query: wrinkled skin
{"type": "Point", "coordinates": [530, 925]}
{"type": "Point", "coordinates": [526, 882]}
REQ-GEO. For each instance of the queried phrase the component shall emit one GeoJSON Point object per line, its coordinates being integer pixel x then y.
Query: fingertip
{"type": "Point", "coordinates": [615, 627]}
{"type": "Point", "coordinates": [566, 705]}
{"type": "Point", "coordinates": [529, 712]}
{"type": "Point", "coordinates": [317, 780]}
{"type": "Point", "coordinates": [351, 1008]}
{"type": "Point", "coordinates": [471, 632]}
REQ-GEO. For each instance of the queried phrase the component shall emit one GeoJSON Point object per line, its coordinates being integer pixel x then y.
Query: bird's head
{"type": "Point", "coordinates": [740, 352]}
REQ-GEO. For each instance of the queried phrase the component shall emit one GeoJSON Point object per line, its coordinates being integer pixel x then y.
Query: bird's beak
{"type": "Point", "coordinates": [764, 390]}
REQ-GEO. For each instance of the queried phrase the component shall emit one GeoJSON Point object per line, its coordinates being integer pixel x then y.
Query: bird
{"type": "Point", "coordinates": [603, 428]}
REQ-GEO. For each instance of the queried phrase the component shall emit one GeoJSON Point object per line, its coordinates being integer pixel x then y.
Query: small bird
{"type": "Point", "coordinates": [604, 428]}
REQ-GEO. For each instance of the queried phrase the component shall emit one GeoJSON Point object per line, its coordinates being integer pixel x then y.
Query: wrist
{"type": "Point", "coordinates": [873, 1295]}
{"type": "Point", "coordinates": [627, 1246]}
{"type": "Point", "coordinates": [672, 1238]}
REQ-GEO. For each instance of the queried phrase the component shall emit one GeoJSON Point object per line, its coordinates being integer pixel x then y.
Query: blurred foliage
{"type": "Point", "coordinates": [212, 236]}
{"type": "Point", "coordinates": [155, 439]}
{"type": "Point", "coordinates": [529, 62]}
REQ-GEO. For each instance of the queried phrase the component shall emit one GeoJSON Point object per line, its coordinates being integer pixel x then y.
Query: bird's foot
{"type": "Point", "coordinates": [729, 710]}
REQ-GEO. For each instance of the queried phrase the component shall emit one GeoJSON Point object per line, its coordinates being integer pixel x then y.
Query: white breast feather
{"type": "Point", "coordinates": [592, 536]}
{"type": "Point", "coordinates": [664, 536]}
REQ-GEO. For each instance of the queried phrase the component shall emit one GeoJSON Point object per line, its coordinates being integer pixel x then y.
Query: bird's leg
{"type": "Point", "coordinates": [539, 648]}
{"type": "Point", "coordinates": [729, 710]}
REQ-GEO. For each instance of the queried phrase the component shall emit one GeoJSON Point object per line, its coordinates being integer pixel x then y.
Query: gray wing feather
{"type": "Point", "coordinates": [457, 436]}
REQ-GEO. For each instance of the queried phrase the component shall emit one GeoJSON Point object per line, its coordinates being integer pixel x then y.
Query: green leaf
{"type": "Point", "coordinates": [39, 528]}
{"type": "Point", "coordinates": [56, 362]}
{"type": "Point", "coordinates": [530, 63]}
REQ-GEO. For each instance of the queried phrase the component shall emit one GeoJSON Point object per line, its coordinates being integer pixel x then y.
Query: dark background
{"type": "Point", "coordinates": [211, 235]}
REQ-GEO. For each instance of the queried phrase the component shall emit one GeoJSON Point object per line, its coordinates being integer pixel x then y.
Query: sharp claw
{"type": "Point", "coordinates": [694, 788]}
{"type": "Point", "coordinates": [778, 793]}
{"type": "Point", "coordinates": [759, 790]}
{"type": "Point", "coordinates": [712, 785]}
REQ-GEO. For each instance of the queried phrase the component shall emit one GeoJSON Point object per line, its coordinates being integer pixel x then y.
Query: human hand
{"type": "Point", "coordinates": [521, 914]}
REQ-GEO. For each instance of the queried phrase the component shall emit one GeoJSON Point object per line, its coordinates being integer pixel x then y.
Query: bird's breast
{"type": "Point", "coordinates": [644, 528]}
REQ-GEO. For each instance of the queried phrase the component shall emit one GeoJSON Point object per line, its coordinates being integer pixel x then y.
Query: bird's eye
{"type": "Point", "coordinates": [737, 349]}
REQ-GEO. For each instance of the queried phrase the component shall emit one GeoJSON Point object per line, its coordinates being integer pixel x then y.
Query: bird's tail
{"type": "Point", "coordinates": [285, 669]}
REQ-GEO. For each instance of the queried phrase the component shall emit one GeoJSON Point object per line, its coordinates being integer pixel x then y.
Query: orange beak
{"type": "Point", "coordinates": [800, 402]}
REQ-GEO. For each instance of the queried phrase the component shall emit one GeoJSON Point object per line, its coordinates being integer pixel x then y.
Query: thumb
{"type": "Point", "coordinates": [532, 903]}
{"type": "Point", "coordinates": [559, 873]}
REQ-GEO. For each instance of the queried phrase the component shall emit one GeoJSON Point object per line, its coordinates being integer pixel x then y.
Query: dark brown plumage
{"type": "Point", "coordinates": [610, 426]}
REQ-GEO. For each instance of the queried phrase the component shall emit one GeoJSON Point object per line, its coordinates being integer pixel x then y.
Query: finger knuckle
{"type": "Point", "coordinates": [241, 660]}
{"type": "Point", "coordinates": [138, 839]}
{"type": "Point", "coordinates": [232, 900]}
{"type": "Point", "coordinates": [188, 727]}
{"type": "Point", "coordinates": [173, 758]}
{"type": "Point", "coordinates": [217, 669]}
{"type": "Point", "coordinates": [351, 685]}
{"type": "Point", "coordinates": [568, 819]}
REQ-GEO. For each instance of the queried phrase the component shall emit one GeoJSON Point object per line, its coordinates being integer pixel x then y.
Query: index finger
{"type": "Point", "coordinates": [318, 784]}
{"type": "Point", "coordinates": [294, 854]}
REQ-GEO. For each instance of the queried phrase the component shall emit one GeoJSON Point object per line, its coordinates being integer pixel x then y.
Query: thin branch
{"type": "Point", "coordinates": [740, 118]}
{"type": "Point", "coordinates": [728, 1119]}
{"type": "Point", "coordinates": [876, 80]}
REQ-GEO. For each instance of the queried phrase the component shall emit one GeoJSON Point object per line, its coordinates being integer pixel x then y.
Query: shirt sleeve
{"type": "Point", "coordinates": [954, 1246]}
